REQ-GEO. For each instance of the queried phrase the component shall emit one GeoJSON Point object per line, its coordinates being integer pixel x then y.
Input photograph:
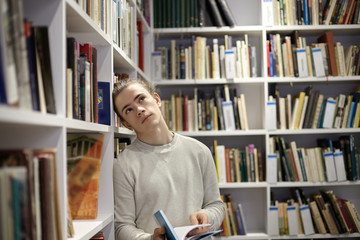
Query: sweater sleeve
{"type": "Point", "coordinates": [125, 226]}
{"type": "Point", "coordinates": [212, 204]}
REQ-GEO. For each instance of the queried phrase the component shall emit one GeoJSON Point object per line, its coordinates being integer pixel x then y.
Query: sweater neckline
{"type": "Point", "coordinates": [155, 148]}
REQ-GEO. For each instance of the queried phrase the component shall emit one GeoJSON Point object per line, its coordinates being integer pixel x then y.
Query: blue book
{"type": "Point", "coordinates": [104, 102]}
{"type": "Point", "coordinates": [180, 233]}
{"type": "Point", "coordinates": [2, 80]}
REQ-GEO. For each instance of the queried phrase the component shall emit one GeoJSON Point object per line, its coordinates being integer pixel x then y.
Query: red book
{"type": "Point", "coordinates": [328, 38]}
{"type": "Point", "coordinates": [340, 203]}
{"type": "Point", "coordinates": [87, 49]}
{"type": "Point", "coordinates": [141, 45]}
{"type": "Point", "coordinates": [227, 165]}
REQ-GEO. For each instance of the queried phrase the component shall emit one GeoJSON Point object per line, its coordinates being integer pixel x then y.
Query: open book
{"type": "Point", "coordinates": [180, 233]}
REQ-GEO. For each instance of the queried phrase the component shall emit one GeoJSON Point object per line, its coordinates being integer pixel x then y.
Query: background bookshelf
{"type": "Point", "coordinates": [256, 196]}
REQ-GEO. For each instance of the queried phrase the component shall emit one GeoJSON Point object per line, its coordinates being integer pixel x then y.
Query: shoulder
{"type": "Point", "coordinates": [192, 143]}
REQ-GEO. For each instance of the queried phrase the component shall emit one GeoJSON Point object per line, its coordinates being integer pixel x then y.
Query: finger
{"type": "Point", "coordinates": [194, 219]}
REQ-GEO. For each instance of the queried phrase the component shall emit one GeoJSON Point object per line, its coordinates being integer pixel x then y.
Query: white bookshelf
{"type": "Point", "coordinates": [28, 129]}
{"type": "Point", "coordinates": [255, 197]}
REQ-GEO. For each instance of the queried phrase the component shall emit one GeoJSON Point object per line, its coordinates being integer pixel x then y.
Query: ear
{"type": "Point", "coordinates": [157, 99]}
{"type": "Point", "coordinates": [127, 125]}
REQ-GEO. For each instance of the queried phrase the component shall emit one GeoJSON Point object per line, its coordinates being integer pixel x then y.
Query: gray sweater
{"type": "Point", "coordinates": [179, 178]}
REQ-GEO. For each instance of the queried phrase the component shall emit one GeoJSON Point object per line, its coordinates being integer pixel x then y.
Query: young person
{"type": "Point", "coordinates": [160, 170]}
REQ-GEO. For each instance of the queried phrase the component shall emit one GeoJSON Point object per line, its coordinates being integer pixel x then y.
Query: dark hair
{"type": "Point", "coordinates": [124, 83]}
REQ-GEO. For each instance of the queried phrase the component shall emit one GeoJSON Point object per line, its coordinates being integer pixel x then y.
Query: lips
{"type": "Point", "coordinates": [146, 117]}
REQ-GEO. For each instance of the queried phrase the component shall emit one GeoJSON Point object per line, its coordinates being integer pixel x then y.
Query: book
{"type": "Point", "coordinates": [226, 12]}
{"type": "Point", "coordinates": [44, 56]}
{"type": "Point", "coordinates": [328, 38]}
{"type": "Point", "coordinates": [83, 166]}
{"type": "Point", "coordinates": [180, 233]}
{"type": "Point", "coordinates": [218, 20]}
{"type": "Point", "coordinates": [104, 103]}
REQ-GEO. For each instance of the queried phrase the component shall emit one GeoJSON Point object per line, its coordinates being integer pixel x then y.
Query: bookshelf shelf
{"type": "Point", "coordinates": [223, 133]}
{"type": "Point", "coordinates": [73, 125]}
{"type": "Point", "coordinates": [315, 131]}
{"type": "Point", "coordinates": [221, 81]}
{"type": "Point", "coordinates": [314, 184]}
{"type": "Point", "coordinates": [211, 31]}
{"type": "Point", "coordinates": [313, 79]}
{"type": "Point", "coordinates": [243, 185]}
{"type": "Point", "coordinates": [85, 229]}
{"type": "Point", "coordinates": [77, 21]}
{"type": "Point", "coordinates": [337, 28]}
{"type": "Point", "coordinates": [15, 116]}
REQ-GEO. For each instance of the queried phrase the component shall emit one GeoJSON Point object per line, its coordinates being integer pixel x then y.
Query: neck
{"type": "Point", "coordinates": [157, 136]}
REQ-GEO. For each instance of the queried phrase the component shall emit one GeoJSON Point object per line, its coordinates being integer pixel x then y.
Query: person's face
{"type": "Point", "coordinates": [138, 108]}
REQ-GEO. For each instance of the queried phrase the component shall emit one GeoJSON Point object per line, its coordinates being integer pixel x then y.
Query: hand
{"type": "Point", "coordinates": [199, 218]}
{"type": "Point", "coordinates": [159, 234]}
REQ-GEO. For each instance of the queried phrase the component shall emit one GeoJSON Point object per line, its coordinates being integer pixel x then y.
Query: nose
{"type": "Point", "coordinates": [140, 111]}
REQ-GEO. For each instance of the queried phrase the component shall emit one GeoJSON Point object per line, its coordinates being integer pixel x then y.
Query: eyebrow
{"type": "Point", "coordinates": [136, 97]}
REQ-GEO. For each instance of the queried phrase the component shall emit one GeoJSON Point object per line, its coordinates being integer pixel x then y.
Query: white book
{"type": "Point", "coordinates": [318, 62]}
{"type": "Point", "coordinates": [156, 66]}
{"type": "Point", "coordinates": [302, 62]}
{"type": "Point", "coordinates": [228, 113]}
{"type": "Point", "coordinates": [253, 61]}
{"type": "Point", "coordinates": [222, 61]}
{"type": "Point", "coordinates": [180, 233]}
{"type": "Point", "coordinates": [282, 113]}
{"type": "Point", "coordinates": [216, 69]}
{"type": "Point", "coordinates": [292, 220]}
{"type": "Point", "coordinates": [244, 52]}
{"type": "Point", "coordinates": [341, 58]}
{"type": "Point", "coordinates": [69, 93]}
{"type": "Point", "coordinates": [220, 153]}
{"type": "Point", "coordinates": [273, 221]}
{"type": "Point", "coordinates": [306, 220]}
{"type": "Point", "coordinates": [230, 71]}
{"type": "Point", "coordinates": [330, 166]}
{"type": "Point", "coordinates": [339, 111]}
{"type": "Point", "coordinates": [271, 168]}
{"type": "Point", "coordinates": [239, 73]}
{"type": "Point", "coordinates": [339, 166]}
{"type": "Point", "coordinates": [329, 113]}
{"type": "Point", "coordinates": [243, 112]}
{"type": "Point", "coordinates": [271, 118]}
{"type": "Point", "coordinates": [267, 13]}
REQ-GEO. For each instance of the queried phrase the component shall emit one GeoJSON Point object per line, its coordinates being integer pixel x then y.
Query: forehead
{"type": "Point", "coordinates": [127, 95]}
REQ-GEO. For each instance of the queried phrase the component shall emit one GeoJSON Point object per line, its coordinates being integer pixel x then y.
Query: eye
{"type": "Point", "coordinates": [141, 99]}
{"type": "Point", "coordinates": [128, 110]}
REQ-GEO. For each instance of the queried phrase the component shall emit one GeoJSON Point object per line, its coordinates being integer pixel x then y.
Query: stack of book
{"type": "Point", "coordinates": [233, 59]}
{"type": "Point", "coordinates": [220, 111]}
{"type": "Point", "coordinates": [192, 13]}
{"type": "Point", "coordinates": [291, 56]}
{"type": "Point", "coordinates": [310, 109]}
{"type": "Point", "coordinates": [29, 202]}
{"type": "Point", "coordinates": [234, 221]}
{"type": "Point", "coordinates": [26, 79]}
{"type": "Point", "coordinates": [311, 12]}
{"type": "Point", "coordinates": [330, 161]}
{"type": "Point", "coordinates": [321, 213]}
{"type": "Point", "coordinates": [82, 81]}
{"type": "Point", "coordinates": [238, 165]}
